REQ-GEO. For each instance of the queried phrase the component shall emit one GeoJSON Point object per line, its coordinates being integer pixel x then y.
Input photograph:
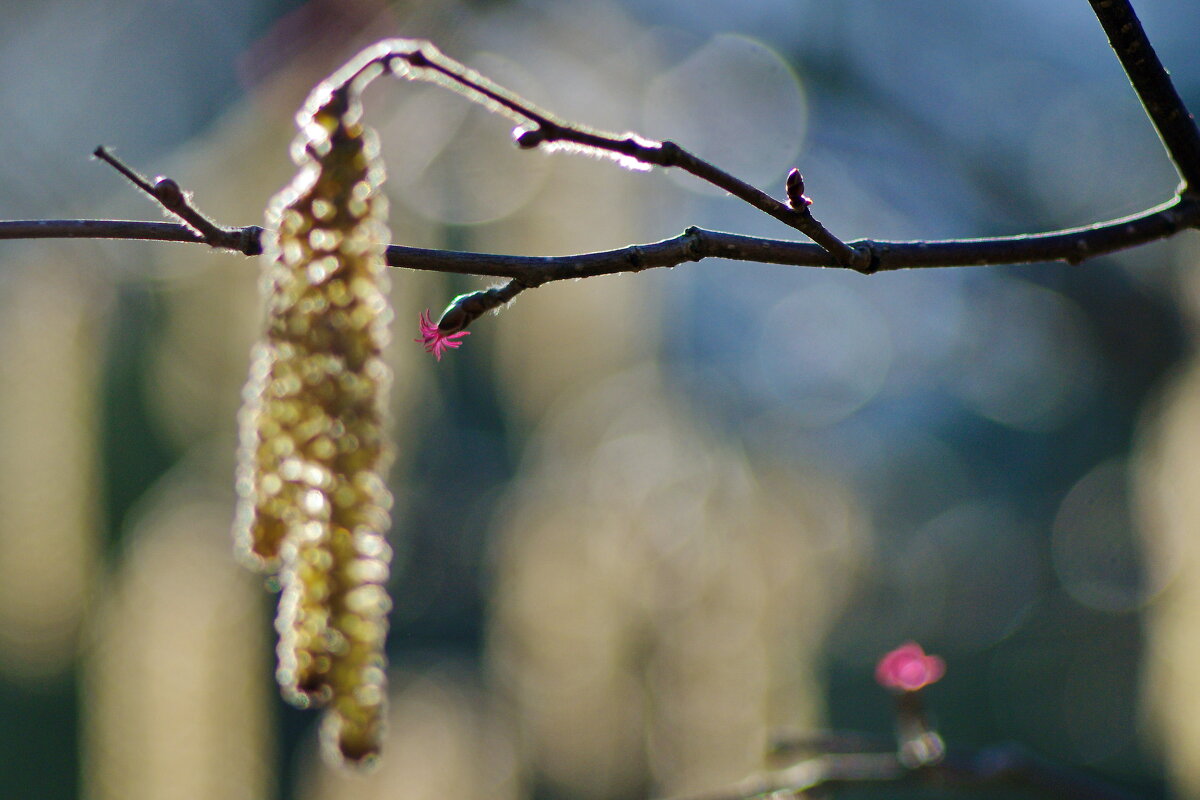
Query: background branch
{"type": "Point", "coordinates": [1003, 767]}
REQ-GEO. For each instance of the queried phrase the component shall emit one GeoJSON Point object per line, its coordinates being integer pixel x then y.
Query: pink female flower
{"type": "Point", "coordinates": [908, 669]}
{"type": "Point", "coordinates": [434, 339]}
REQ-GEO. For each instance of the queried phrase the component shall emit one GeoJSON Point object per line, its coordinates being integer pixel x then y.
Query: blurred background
{"type": "Point", "coordinates": [641, 521]}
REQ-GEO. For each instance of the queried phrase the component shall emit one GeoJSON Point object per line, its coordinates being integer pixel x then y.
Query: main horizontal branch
{"type": "Point", "coordinates": [1072, 245]}
{"type": "Point", "coordinates": [247, 241]}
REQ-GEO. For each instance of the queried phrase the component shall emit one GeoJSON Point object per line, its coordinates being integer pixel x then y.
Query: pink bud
{"type": "Point", "coordinates": [908, 669]}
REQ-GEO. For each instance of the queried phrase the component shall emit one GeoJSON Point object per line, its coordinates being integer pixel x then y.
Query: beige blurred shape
{"type": "Point", "coordinates": [1168, 501]}
{"type": "Point", "coordinates": [566, 335]}
{"type": "Point", "coordinates": [445, 740]}
{"type": "Point", "coordinates": [52, 323]}
{"type": "Point", "coordinates": [706, 104]}
{"type": "Point", "coordinates": [176, 686]}
{"type": "Point", "coordinates": [454, 162]}
{"type": "Point", "coordinates": [660, 601]}
{"type": "Point", "coordinates": [1037, 376]}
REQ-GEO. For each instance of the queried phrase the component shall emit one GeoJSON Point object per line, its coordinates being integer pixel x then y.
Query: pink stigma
{"type": "Point", "coordinates": [434, 339]}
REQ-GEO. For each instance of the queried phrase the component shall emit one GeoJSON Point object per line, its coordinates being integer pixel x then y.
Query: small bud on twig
{"type": "Point", "coordinates": [167, 192]}
{"type": "Point", "coordinates": [795, 191]}
{"type": "Point", "coordinates": [528, 139]}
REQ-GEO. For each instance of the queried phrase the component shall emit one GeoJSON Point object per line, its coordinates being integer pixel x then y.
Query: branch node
{"type": "Point", "coordinates": [1079, 254]}
{"type": "Point", "coordinates": [669, 154]}
{"type": "Point", "coordinates": [418, 59]}
{"type": "Point", "coordinates": [694, 243]}
{"type": "Point", "coordinates": [251, 240]}
{"type": "Point", "coordinates": [168, 193]}
{"type": "Point", "coordinates": [527, 138]}
{"type": "Point", "coordinates": [867, 258]}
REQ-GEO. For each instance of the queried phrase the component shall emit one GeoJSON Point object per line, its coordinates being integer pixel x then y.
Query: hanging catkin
{"type": "Point", "coordinates": [313, 498]}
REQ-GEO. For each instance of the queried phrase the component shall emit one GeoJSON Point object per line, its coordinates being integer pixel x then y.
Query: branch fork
{"type": "Point", "coordinates": [179, 203]}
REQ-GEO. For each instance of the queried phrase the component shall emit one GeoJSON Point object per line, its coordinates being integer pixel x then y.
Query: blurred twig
{"type": "Point", "coordinates": [1006, 767]}
{"type": "Point", "coordinates": [917, 757]}
{"type": "Point", "coordinates": [790, 745]}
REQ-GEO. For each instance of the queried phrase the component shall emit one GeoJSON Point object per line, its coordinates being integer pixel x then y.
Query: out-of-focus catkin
{"type": "Point", "coordinates": [313, 499]}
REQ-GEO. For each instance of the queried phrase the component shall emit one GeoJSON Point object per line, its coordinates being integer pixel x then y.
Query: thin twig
{"type": "Point", "coordinates": [789, 746]}
{"type": "Point", "coordinates": [1154, 88]}
{"type": "Point", "coordinates": [168, 194]}
{"type": "Point", "coordinates": [247, 240]}
{"type": "Point", "coordinates": [542, 129]}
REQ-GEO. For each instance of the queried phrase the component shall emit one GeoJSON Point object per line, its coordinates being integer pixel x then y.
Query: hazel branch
{"type": "Point", "coordinates": [1071, 245]}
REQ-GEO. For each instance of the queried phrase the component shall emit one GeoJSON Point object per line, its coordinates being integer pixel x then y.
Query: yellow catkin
{"type": "Point", "coordinates": [314, 503]}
